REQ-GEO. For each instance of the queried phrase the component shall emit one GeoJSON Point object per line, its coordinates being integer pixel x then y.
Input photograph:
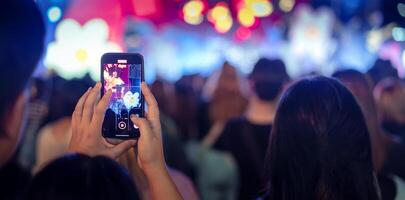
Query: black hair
{"type": "Point", "coordinates": [319, 146]}
{"type": "Point", "coordinates": [79, 177]}
{"type": "Point", "coordinates": [268, 77]}
{"type": "Point", "coordinates": [22, 33]}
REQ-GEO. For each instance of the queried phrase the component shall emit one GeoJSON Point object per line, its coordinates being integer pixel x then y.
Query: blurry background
{"type": "Point", "coordinates": [183, 37]}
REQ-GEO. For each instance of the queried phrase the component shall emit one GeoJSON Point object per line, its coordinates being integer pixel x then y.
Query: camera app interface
{"type": "Point", "coordinates": [124, 80]}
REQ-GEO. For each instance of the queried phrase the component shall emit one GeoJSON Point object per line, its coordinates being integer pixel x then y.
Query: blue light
{"type": "Point", "coordinates": [54, 13]}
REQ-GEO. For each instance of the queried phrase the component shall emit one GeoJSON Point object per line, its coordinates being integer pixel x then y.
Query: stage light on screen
{"type": "Point", "coordinates": [398, 34]}
{"type": "Point", "coordinates": [192, 11]}
{"type": "Point", "coordinates": [286, 5]}
{"type": "Point", "coordinates": [246, 17]}
{"type": "Point", "coordinates": [54, 14]}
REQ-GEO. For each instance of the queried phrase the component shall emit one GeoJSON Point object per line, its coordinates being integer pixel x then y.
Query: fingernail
{"type": "Point", "coordinates": [98, 84]}
{"type": "Point", "coordinates": [133, 116]}
{"type": "Point", "coordinates": [89, 88]}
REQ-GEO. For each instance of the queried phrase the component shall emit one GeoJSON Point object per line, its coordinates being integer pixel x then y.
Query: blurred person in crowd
{"type": "Point", "coordinates": [185, 108]}
{"type": "Point", "coordinates": [380, 70]}
{"type": "Point", "coordinates": [77, 176]}
{"type": "Point", "coordinates": [224, 100]}
{"type": "Point", "coordinates": [20, 53]}
{"type": "Point", "coordinates": [390, 96]}
{"type": "Point", "coordinates": [38, 109]}
{"type": "Point", "coordinates": [53, 139]}
{"type": "Point", "coordinates": [319, 147]}
{"type": "Point", "coordinates": [246, 137]}
{"type": "Point", "coordinates": [173, 146]}
{"type": "Point", "coordinates": [387, 152]}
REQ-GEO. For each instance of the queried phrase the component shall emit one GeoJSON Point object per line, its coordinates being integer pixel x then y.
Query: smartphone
{"type": "Point", "coordinates": [122, 73]}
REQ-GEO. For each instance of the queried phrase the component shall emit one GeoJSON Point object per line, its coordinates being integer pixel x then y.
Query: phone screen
{"type": "Point", "coordinates": [124, 80]}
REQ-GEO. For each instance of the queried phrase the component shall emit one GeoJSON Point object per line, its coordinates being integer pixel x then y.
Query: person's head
{"type": "Point", "coordinates": [390, 96]}
{"type": "Point", "coordinates": [227, 100]}
{"type": "Point", "coordinates": [22, 42]}
{"type": "Point", "coordinates": [319, 146]}
{"type": "Point", "coordinates": [79, 177]}
{"type": "Point", "coordinates": [66, 93]}
{"type": "Point", "coordinates": [382, 69]}
{"type": "Point", "coordinates": [268, 78]}
{"type": "Point", "coordinates": [360, 86]}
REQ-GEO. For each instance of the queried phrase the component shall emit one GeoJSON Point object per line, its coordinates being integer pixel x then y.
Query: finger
{"type": "Point", "coordinates": [144, 127]}
{"type": "Point", "coordinates": [89, 104]}
{"type": "Point", "coordinates": [150, 100]}
{"type": "Point", "coordinates": [99, 111]}
{"type": "Point", "coordinates": [77, 113]}
{"type": "Point", "coordinates": [122, 148]}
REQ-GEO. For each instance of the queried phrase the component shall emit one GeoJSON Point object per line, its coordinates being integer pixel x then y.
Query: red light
{"type": "Point", "coordinates": [243, 33]}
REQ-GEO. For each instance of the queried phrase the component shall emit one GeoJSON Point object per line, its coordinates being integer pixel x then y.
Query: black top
{"type": "Point", "coordinates": [13, 181]}
{"type": "Point", "coordinates": [247, 143]}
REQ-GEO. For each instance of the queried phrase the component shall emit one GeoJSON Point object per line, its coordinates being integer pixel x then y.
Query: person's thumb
{"type": "Point", "coordinates": [144, 127]}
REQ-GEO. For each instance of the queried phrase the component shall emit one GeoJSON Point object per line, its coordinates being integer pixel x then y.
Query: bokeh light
{"type": "Point", "coordinates": [401, 9]}
{"type": "Point", "coordinates": [260, 8]}
{"type": "Point", "coordinates": [243, 33]}
{"type": "Point", "coordinates": [54, 14]}
{"type": "Point", "coordinates": [221, 17]}
{"type": "Point", "coordinates": [286, 5]}
{"type": "Point", "coordinates": [246, 17]}
{"type": "Point", "coordinates": [398, 34]}
{"type": "Point", "coordinates": [192, 11]}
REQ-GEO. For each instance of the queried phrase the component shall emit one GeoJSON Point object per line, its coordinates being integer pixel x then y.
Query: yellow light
{"type": "Point", "coordinates": [81, 55]}
{"type": "Point", "coordinates": [194, 20]}
{"type": "Point", "coordinates": [246, 17]}
{"type": "Point", "coordinates": [219, 12]}
{"type": "Point", "coordinates": [193, 8]}
{"type": "Point", "coordinates": [286, 5]}
{"type": "Point", "coordinates": [224, 25]}
{"type": "Point", "coordinates": [260, 8]}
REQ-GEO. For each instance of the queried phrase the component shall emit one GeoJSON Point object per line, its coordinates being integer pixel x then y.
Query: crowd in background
{"type": "Point", "coordinates": [216, 129]}
{"type": "Point", "coordinates": [226, 136]}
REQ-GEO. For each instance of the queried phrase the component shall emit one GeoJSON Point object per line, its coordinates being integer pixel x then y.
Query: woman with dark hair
{"type": "Point", "coordinates": [319, 146]}
{"type": "Point", "coordinates": [79, 176]}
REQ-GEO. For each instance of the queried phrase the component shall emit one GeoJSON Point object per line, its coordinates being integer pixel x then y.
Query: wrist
{"type": "Point", "coordinates": [155, 171]}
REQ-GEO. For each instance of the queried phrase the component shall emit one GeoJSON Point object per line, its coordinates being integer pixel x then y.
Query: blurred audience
{"type": "Point", "coordinates": [19, 55]}
{"type": "Point", "coordinates": [386, 151]}
{"type": "Point", "coordinates": [53, 139]}
{"type": "Point", "coordinates": [246, 137]}
{"type": "Point", "coordinates": [390, 97]}
{"type": "Point", "coordinates": [380, 70]}
{"type": "Point", "coordinates": [224, 99]}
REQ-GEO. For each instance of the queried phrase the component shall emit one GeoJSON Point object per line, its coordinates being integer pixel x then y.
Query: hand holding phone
{"type": "Point", "coordinates": [86, 127]}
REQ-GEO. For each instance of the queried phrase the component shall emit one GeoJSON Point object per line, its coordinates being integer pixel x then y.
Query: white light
{"type": "Point", "coordinates": [54, 13]}
{"type": "Point", "coordinates": [77, 49]}
{"type": "Point", "coordinates": [398, 33]}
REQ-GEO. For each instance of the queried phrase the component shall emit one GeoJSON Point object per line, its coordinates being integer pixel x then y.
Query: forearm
{"type": "Point", "coordinates": [161, 184]}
